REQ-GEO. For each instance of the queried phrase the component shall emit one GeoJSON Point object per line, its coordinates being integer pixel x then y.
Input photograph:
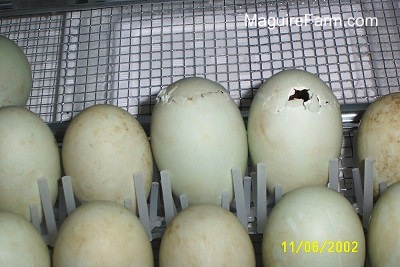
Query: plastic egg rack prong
{"type": "Point", "coordinates": [251, 202]}
{"type": "Point", "coordinates": [364, 193]}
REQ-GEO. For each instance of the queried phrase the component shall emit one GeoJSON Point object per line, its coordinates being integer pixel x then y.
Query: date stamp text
{"type": "Point", "coordinates": [329, 246]}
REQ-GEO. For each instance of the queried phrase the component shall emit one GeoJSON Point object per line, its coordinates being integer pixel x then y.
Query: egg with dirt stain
{"type": "Point", "coordinates": [102, 233]}
{"type": "Point", "coordinates": [198, 135]}
{"type": "Point", "coordinates": [295, 128]}
{"type": "Point", "coordinates": [15, 74]}
{"type": "Point", "coordinates": [206, 235]}
{"type": "Point", "coordinates": [103, 148]}
{"type": "Point", "coordinates": [378, 138]}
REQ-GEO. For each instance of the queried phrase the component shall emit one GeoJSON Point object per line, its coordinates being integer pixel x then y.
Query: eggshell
{"type": "Point", "coordinates": [28, 151]}
{"type": "Point", "coordinates": [383, 235]}
{"type": "Point", "coordinates": [198, 135]}
{"type": "Point", "coordinates": [20, 243]}
{"type": "Point", "coordinates": [378, 138]}
{"type": "Point", "coordinates": [295, 128]}
{"type": "Point", "coordinates": [313, 215]}
{"type": "Point", "coordinates": [15, 74]}
{"type": "Point", "coordinates": [103, 147]}
{"type": "Point", "coordinates": [206, 235]}
{"type": "Point", "coordinates": [102, 233]}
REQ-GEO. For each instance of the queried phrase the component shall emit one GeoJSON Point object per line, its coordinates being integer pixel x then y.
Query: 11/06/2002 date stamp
{"type": "Point", "coordinates": [329, 246]}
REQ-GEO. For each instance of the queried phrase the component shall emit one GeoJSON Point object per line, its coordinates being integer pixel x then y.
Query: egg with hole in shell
{"type": "Point", "coordinates": [295, 128]}
{"type": "Point", "coordinates": [15, 74]}
{"type": "Point", "coordinates": [198, 134]}
{"type": "Point", "coordinates": [102, 233]}
{"type": "Point", "coordinates": [28, 152]}
{"type": "Point", "coordinates": [103, 148]}
{"type": "Point", "coordinates": [378, 138]}
{"type": "Point", "coordinates": [313, 226]}
{"type": "Point", "coordinates": [206, 235]}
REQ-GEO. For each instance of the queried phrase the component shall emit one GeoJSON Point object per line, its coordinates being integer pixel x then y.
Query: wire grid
{"type": "Point", "coordinates": [124, 55]}
{"type": "Point", "coordinates": [39, 37]}
{"type": "Point", "coordinates": [347, 162]}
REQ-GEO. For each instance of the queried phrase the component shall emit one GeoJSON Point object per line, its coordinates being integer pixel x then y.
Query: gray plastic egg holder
{"type": "Point", "coordinates": [251, 203]}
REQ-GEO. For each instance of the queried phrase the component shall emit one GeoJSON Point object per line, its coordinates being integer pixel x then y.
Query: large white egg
{"type": "Point", "coordinates": [383, 240]}
{"type": "Point", "coordinates": [378, 138]}
{"type": "Point", "coordinates": [20, 243]}
{"type": "Point", "coordinates": [206, 235]}
{"type": "Point", "coordinates": [295, 128]}
{"type": "Point", "coordinates": [102, 233]}
{"type": "Point", "coordinates": [198, 135]}
{"type": "Point", "coordinates": [28, 151]}
{"type": "Point", "coordinates": [15, 74]}
{"type": "Point", "coordinates": [103, 147]}
{"type": "Point", "coordinates": [313, 226]}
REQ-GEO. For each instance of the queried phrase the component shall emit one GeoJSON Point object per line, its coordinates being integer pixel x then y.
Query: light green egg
{"type": "Point", "coordinates": [15, 74]}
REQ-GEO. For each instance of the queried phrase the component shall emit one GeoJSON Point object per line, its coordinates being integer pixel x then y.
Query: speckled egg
{"type": "Point", "coordinates": [378, 138]}
{"type": "Point", "coordinates": [103, 148]}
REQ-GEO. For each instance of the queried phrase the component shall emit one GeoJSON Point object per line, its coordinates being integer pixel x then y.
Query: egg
{"type": "Point", "coordinates": [313, 226]}
{"type": "Point", "coordinates": [102, 233]}
{"type": "Point", "coordinates": [28, 151]}
{"type": "Point", "coordinates": [103, 148]}
{"type": "Point", "coordinates": [206, 235]}
{"type": "Point", "coordinates": [383, 235]}
{"type": "Point", "coordinates": [15, 74]}
{"type": "Point", "coordinates": [198, 135]}
{"type": "Point", "coordinates": [378, 138]}
{"type": "Point", "coordinates": [20, 243]}
{"type": "Point", "coordinates": [295, 128]}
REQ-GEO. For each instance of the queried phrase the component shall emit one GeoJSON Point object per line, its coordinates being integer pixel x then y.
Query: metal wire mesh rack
{"type": "Point", "coordinates": [123, 53]}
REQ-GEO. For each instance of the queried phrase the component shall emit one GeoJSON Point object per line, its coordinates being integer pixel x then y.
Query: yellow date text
{"type": "Point", "coordinates": [329, 246]}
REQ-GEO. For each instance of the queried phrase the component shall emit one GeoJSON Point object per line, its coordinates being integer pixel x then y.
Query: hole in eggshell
{"type": "Point", "coordinates": [300, 94]}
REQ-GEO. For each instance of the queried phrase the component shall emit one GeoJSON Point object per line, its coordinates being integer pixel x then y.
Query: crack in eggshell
{"type": "Point", "coordinates": [312, 101]}
{"type": "Point", "coordinates": [165, 96]}
{"type": "Point", "coordinates": [313, 104]}
{"type": "Point", "coordinates": [299, 94]}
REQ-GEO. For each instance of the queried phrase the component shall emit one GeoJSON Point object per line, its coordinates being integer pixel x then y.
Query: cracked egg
{"type": "Point", "coordinates": [198, 135]}
{"type": "Point", "coordinates": [295, 128]}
